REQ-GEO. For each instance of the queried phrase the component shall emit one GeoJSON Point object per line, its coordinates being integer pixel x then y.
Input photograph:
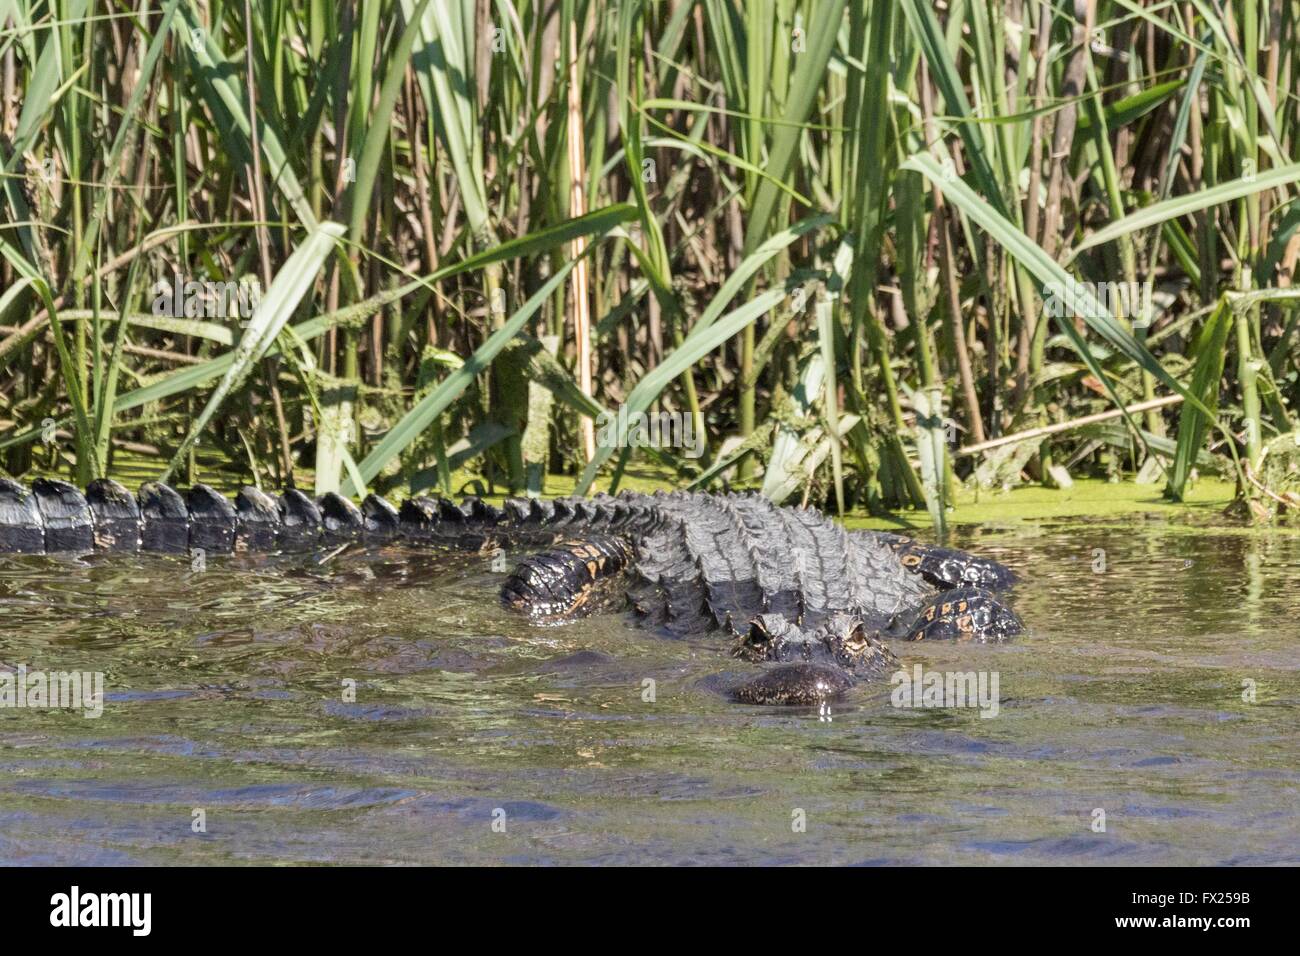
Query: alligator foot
{"type": "Point", "coordinates": [561, 582]}
{"type": "Point", "coordinates": [963, 614]}
{"type": "Point", "coordinates": [947, 567]}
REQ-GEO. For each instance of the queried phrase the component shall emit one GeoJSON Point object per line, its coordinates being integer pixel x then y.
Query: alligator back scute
{"type": "Point", "coordinates": [892, 587]}
{"type": "Point", "coordinates": [164, 519]}
{"type": "Point", "coordinates": [115, 514]}
{"type": "Point", "coordinates": [20, 519]}
{"type": "Point", "coordinates": [380, 518]}
{"type": "Point", "coordinates": [257, 520]}
{"type": "Point", "coordinates": [419, 518]}
{"type": "Point", "coordinates": [300, 521]}
{"type": "Point", "coordinates": [471, 524]}
{"type": "Point", "coordinates": [450, 514]}
{"type": "Point", "coordinates": [341, 519]}
{"type": "Point", "coordinates": [671, 589]}
{"type": "Point", "coordinates": [777, 574]}
{"type": "Point", "coordinates": [812, 563]}
{"type": "Point", "coordinates": [440, 521]}
{"type": "Point", "coordinates": [213, 520]}
{"type": "Point", "coordinates": [731, 558]}
{"type": "Point", "coordinates": [65, 515]}
{"type": "Point", "coordinates": [478, 511]}
{"type": "Point", "coordinates": [729, 568]}
{"type": "Point", "coordinates": [518, 511]}
{"type": "Point", "coordinates": [562, 512]}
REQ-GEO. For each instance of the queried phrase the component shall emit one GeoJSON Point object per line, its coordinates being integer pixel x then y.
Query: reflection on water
{"type": "Point", "coordinates": [380, 708]}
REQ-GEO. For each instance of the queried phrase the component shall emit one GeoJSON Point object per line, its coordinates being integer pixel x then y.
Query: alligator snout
{"type": "Point", "coordinates": [794, 685]}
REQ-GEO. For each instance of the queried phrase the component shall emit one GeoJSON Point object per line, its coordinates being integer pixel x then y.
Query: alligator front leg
{"type": "Point", "coordinates": [946, 567]}
{"type": "Point", "coordinates": [559, 583]}
{"type": "Point", "coordinates": [962, 614]}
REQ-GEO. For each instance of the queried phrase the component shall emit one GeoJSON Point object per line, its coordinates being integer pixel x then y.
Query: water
{"type": "Point", "coordinates": [225, 704]}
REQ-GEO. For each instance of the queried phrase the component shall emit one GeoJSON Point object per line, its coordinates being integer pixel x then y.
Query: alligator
{"type": "Point", "coordinates": [794, 591]}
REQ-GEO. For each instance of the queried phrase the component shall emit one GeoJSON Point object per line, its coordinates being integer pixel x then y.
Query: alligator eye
{"type": "Point", "coordinates": [758, 632]}
{"type": "Point", "coordinates": [856, 641]}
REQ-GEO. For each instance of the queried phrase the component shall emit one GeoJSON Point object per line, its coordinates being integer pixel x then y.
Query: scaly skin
{"type": "Point", "coordinates": [795, 591]}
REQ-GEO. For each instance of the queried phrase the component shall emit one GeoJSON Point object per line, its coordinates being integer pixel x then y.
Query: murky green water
{"type": "Point", "coordinates": [224, 693]}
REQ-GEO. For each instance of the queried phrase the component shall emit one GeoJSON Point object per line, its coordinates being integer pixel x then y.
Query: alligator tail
{"type": "Point", "coordinates": [54, 516]}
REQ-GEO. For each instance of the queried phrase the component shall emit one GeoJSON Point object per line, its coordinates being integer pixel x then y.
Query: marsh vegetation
{"type": "Point", "coordinates": [855, 249]}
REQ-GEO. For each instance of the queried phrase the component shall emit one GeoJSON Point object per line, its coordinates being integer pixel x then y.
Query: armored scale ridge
{"type": "Point", "coordinates": [793, 590]}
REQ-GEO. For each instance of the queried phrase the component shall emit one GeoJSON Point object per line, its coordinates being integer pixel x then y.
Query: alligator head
{"type": "Point", "coordinates": [813, 665]}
